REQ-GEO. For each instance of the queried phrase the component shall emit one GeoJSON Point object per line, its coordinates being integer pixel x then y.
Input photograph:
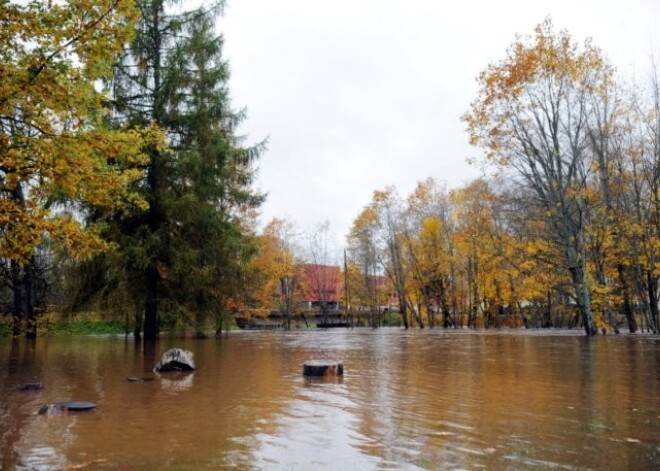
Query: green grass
{"type": "Point", "coordinates": [5, 328]}
{"type": "Point", "coordinates": [50, 327]}
{"type": "Point", "coordinates": [86, 328]}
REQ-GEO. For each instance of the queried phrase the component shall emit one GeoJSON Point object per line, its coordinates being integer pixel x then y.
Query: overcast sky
{"type": "Point", "coordinates": [354, 95]}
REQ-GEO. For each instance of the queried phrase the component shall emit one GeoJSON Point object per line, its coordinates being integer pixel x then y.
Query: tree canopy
{"type": "Point", "coordinates": [57, 153]}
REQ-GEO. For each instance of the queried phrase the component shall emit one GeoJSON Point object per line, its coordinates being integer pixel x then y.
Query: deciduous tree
{"type": "Point", "coordinates": [429, 248]}
{"type": "Point", "coordinates": [532, 116]}
{"type": "Point", "coordinates": [323, 279]}
{"type": "Point", "coordinates": [364, 268]}
{"type": "Point", "coordinates": [56, 153]}
{"type": "Point", "coordinates": [277, 269]}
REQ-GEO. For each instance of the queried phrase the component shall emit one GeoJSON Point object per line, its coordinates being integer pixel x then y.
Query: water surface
{"type": "Point", "coordinates": [408, 400]}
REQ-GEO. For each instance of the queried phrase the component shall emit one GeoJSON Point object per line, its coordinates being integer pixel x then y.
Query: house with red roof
{"type": "Point", "coordinates": [323, 286]}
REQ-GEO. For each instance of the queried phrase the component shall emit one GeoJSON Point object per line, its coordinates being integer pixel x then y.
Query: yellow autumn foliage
{"type": "Point", "coordinates": [56, 151]}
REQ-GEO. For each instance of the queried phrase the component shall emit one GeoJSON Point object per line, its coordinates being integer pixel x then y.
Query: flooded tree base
{"type": "Point", "coordinates": [322, 368]}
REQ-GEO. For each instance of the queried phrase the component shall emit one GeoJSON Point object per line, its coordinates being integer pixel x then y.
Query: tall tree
{"type": "Point", "coordinates": [322, 275]}
{"type": "Point", "coordinates": [532, 116]}
{"type": "Point", "coordinates": [476, 241]}
{"type": "Point", "coordinates": [641, 202]}
{"type": "Point", "coordinates": [428, 241]}
{"type": "Point", "coordinates": [189, 250]}
{"type": "Point", "coordinates": [364, 270]}
{"type": "Point", "coordinates": [277, 271]}
{"type": "Point", "coordinates": [55, 151]}
{"type": "Point", "coordinates": [392, 250]}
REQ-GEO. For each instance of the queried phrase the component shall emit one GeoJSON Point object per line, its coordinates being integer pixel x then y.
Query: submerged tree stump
{"type": "Point", "coordinates": [323, 368]}
{"type": "Point", "coordinates": [175, 359]}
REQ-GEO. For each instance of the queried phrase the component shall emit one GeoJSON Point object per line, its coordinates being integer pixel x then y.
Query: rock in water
{"type": "Point", "coordinates": [52, 409]}
{"type": "Point", "coordinates": [177, 381]}
{"type": "Point", "coordinates": [62, 407]}
{"type": "Point", "coordinates": [30, 387]}
{"type": "Point", "coordinates": [135, 379]}
{"type": "Point", "coordinates": [75, 406]}
{"type": "Point", "coordinates": [323, 368]}
{"type": "Point", "coordinates": [175, 359]}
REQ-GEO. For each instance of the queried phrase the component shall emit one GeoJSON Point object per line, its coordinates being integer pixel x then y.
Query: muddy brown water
{"type": "Point", "coordinates": [408, 400]}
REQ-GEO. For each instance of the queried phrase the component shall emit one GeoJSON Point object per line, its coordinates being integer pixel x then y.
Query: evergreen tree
{"type": "Point", "coordinates": [181, 259]}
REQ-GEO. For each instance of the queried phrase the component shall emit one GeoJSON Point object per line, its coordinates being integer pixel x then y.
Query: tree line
{"type": "Point", "coordinates": [125, 189]}
{"type": "Point", "coordinates": [564, 232]}
{"type": "Point", "coordinates": [570, 219]}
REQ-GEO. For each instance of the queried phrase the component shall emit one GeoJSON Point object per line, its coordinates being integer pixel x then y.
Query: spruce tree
{"type": "Point", "coordinates": [182, 257]}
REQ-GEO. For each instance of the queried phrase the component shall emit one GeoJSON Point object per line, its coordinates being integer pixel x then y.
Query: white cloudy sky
{"type": "Point", "coordinates": [354, 95]}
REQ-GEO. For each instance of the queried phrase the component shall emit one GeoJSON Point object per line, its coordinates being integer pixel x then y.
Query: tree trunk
{"type": "Point", "coordinates": [653, 300]}
{"type": "Point", "coordinates": [456, 319]}
{"type": "Point", "coordinates": [23, 311]}
{"type": "Point", "coordinates": [28, 300]}
{"type": "Point", "coordinates": [431, 314]}
{"type": "Point", "coordinates": [17, 291]}
{"type": "Point", "coordinates": [404, 314]}
{"type": "Point", "coordinates": [547, 313]}
{"type": "Point", "coordinates": [137, 330]}
{"type": "Point", "coordinates": [417, 314]}
{"type": "Point", "coordinates": [474, 308]}
{"type": "Point", "coordinates": [151, 305]}
{"type": "Point", "coordinates": [583, 300]}
{"type": "Point", "coordinates": [155, 216]}
{"type": "Point", "coordinates": [609, 312]}
{"type": "Point", "coordinates": [627, 307]}
{"type": "Point", "coordinates": [324, 312]}
{"type": "Point", "coordinates": [446, 319]}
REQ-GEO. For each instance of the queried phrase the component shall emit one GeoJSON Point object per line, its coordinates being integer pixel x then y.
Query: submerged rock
{"type": "Point", "coordinates": [61, 407]}
{"type": "Point", "coordinates": [177, 381]}
{"type": "Point", "coordinates": [135, 379]}
{"type": "Point", "coordinates": [175, 359]}
{"type": "Point", "coordinates": [30, 387]}
{"type": "Point", "coordinates": [52, 409]}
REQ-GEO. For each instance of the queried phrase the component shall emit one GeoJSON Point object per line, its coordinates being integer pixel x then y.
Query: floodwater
{"type": "Point", "coordinates": [408, 401]}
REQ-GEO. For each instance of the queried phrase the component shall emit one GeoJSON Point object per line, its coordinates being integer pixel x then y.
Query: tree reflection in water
{"type": "Point", "coordinates": [408, 400]}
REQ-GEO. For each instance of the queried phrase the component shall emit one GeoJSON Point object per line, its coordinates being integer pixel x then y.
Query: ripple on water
{"type": "Point", "coordinates": [408, 400]}
{"type": "Point", "coordinates": [318, 428]}
{"type": "Point", "coordinates": [40, 458]}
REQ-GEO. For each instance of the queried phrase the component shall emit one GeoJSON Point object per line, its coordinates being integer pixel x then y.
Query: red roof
{"type": "Point", "coordinates": [323, 283]}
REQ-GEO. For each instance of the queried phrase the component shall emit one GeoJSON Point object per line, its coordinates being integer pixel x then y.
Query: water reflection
{"type": "Point", "coordinates": [408, 400]}
{"type": "Point", "coordinates": [177, 382]}
{"type": "Point", "coordinates": [311, 381]}
{"type": "Point", "coordinates": [317, 430]}
{"type": "Point", "coordinates": [44, 444]}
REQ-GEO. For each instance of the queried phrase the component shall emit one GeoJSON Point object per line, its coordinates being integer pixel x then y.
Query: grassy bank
{"type": "Point", "coordinates": [74, 327]}
{"type": "Point", "coordinates": [52, 324]}
{"type": "Point", "coordinates": [86, 328]}
{"type": "Point", "coordinates": [5, 327]}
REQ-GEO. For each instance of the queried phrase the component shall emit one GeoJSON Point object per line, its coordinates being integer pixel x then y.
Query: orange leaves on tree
{"type": "Point", "coordinates": [55, 150]}
{"type": "Point", "coordinates": [506, 88]}
{"type": "Point", "coordinates": [276, 259]}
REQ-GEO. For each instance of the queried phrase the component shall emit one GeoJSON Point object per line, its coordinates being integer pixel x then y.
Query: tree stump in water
{"type": "Point", "coordinates": [175, 359]}
{"type": "Point", "coordinates": [323, 368]}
